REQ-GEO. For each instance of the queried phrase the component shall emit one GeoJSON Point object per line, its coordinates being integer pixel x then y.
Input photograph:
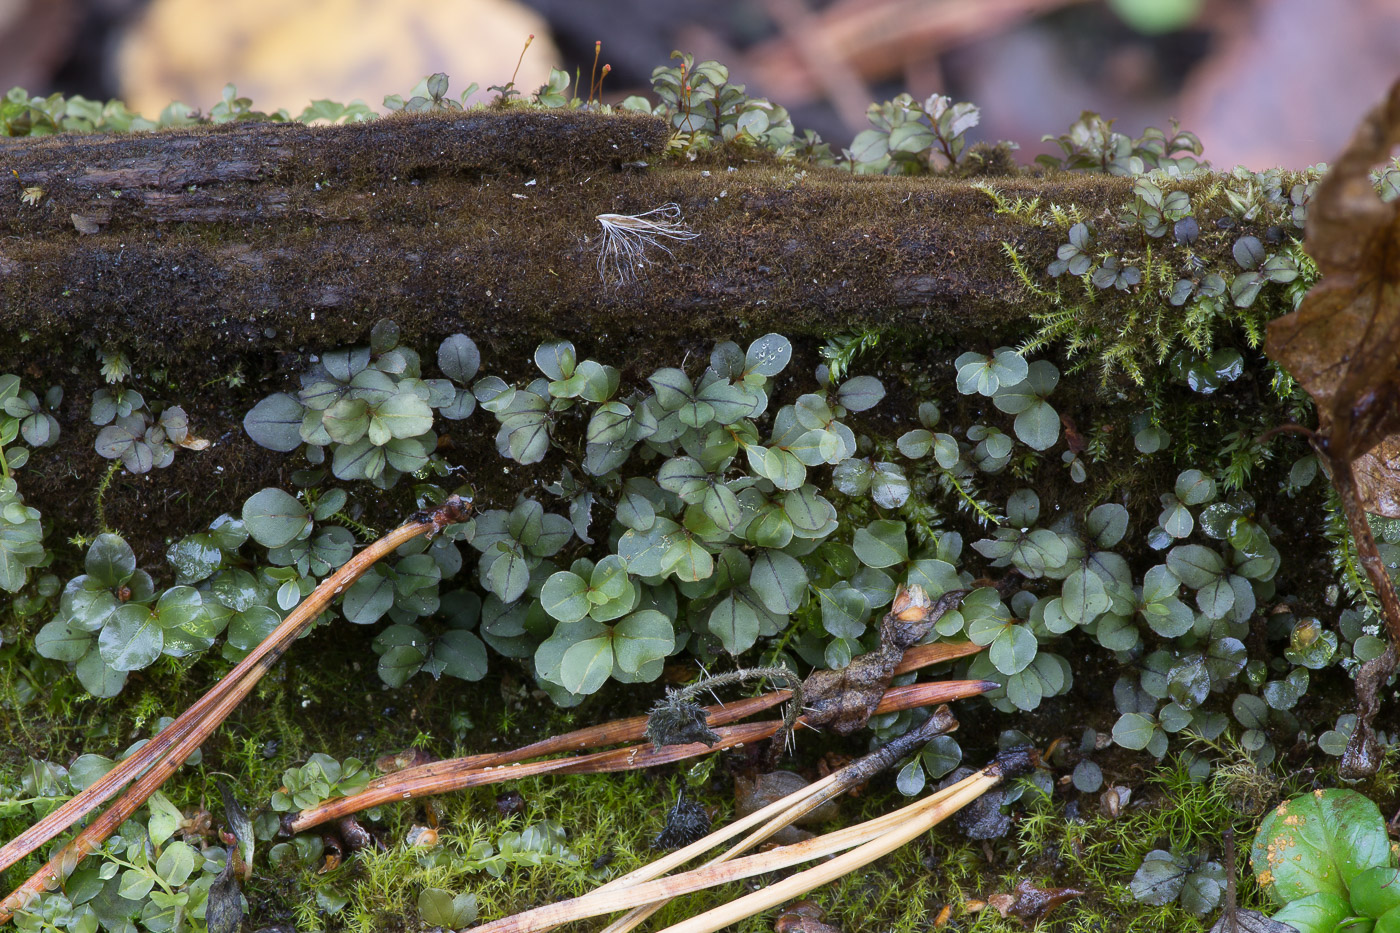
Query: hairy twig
{"type": "Point", "coordinates": [677, 718]}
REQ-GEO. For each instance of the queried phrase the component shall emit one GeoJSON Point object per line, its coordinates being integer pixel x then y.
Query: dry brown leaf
{"type": "Point", "coordinates": [1343, 342]}
{"type": "Point", "coordinates": [1378, 477]}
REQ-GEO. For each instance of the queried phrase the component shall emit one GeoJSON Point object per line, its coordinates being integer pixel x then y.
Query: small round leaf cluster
{"type": "Point", "coordinates": [705, 108]}
{"type": "Point", "coordinates": [369, 407]}
{"type": "Point", "coordinates": [911, 137]}
{"type": "Point", "coordinates": [22, 417]}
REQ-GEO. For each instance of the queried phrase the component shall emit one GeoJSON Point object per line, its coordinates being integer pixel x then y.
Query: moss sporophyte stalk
{"type": "Point", "coordinates": [1082, 477]}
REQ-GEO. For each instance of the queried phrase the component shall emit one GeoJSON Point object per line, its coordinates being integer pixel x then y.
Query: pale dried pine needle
{"type": "Point", "coordinates": [625, 238]}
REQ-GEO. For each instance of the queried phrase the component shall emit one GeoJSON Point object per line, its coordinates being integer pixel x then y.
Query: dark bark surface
{"type": "Point", "coordinates": [229, 240]}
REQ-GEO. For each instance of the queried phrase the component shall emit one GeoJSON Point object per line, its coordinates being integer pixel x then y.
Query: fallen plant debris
{"type": "Point", "coordinates": [638, 890]}
{"type": "Point", "coordinates": [678, 720]}
{"type": "Point", "coordinates": [161, 756]}
{"type": "Point", "coordinates": [1343, 346]}
{"type": "Point", "coordinates": [844, 699]}
{"type": "Point", "coordinates": [456, 774]}
{"type": "Point", "coordinates": [1030, 904]}
{"type": "Point", "coordinates": [803, 917]}
{"type": "Point", "coordinates": [686, 822]}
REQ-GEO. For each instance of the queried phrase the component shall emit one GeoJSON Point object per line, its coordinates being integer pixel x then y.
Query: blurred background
{"type": "Point", "coordinates": [1262, 82]}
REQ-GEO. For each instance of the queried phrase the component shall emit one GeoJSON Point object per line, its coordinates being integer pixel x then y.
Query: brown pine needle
{"type": "Point", "coordinates": [784, 812]}
{"type": "Point", "coordinates": [910, 828]}
{"type": "Point", "coordinates": [169, 749]}
{"type": "Point", "coordinates": [872, 839]}
{"type": "Point", "coordinates": [440, 777]}
{"type": "Point", "coordinates": [604, 901]}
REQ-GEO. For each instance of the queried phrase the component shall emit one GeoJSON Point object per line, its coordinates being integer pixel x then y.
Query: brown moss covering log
{"type": "Point", "coordinates": [223, 257]}
{"type": "Point", "coordinates": [249, 236]}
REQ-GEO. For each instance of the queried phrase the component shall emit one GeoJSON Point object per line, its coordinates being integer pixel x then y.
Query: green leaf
{"type": "Point", "coordinates": [176, 863]}
{"type": "Point", "coordinates": [1375, 891]}
{"type": "Point", "coordinates": [734, 622]}
{"type": "Point", "coordinates": [768, 355]}
{"type": "Point", "coordinates": [1195, 488]}
{"type": "Point", "coordinates": [1133, 730]}
{"type": "Point", "coordinates": [275, 423]}
{"type": "Point", "coordinates": [58, 641]}
{"type": "Point", "coordinates": [642, 637]}
{"type": "Point", "coordinates": [1195, 565]}
{"type": "Point", "coordinates": [844, 610]}
{"type": "Point", "coordinates": [722, 506]}
{"type": "Point", "coordinates": [782, 467]}
{"type": "Point", "coordinates": [914, 444]}
{"type": "Point", "coordinates": [935, 576]}
{"type": "Point", "coordinates": [402, 415]}
{"type": "Point", "coordinates": [1188, 684]}
{"type": "Point", "coordinates": [97, 677]}
{"type": "Point", "coordinates": [586, 665]}
{"type": "Point", "coordinates": [685, 477]}
{"type": "Point", "coordinates": [132, 639]}
{"type": "Point", "coordinates": [347, 420]}
{"type": "Point", "coordinates": [440, 908]}
{"type": "Point", "coordinates": [1038, 426]}
{"type": "Point", "coordinates": [882, 543]}
{"type": "Point", "coordinates": [1013, 649]}
{"type": "Point", "coordinates": [687, 559]}
{"type": "Point", "coordinates": [565, 596]}
{"type": "Point", "coordinates": [368, 598]}
{"type": "Point", "coordinates": [110, 561]}
{"type": "Point", "coordinates": [673, 388]}
{"type": "Point", "coordinates": [360, 460]}
{"type": "Point", "coordinates": [1319, 843]}
{"type": "Point", "coordinates": [889, 487]}
{"type": "Point", "coordinates": [1159, 878]}
{"type": "Point", "coordinates": [860, 393]}
{"type": "Point", "coordinates": [557, 360]}
{"type": "Point", "coordinates": [508, 575]}
{"type": "Point", "coordinates": [458, 358]}
{"type": "Point", "coordinates": [779, 581]}
{"type": "Point", "coordinates": [1323, 912]}
{"type": "Point", "coordinates": [274, 518]}
{"type": "Point", "coordinates": [457, 654]}
{"type": "Point", "coordinates": [1084, 597]}
{"type": "Point", "coordinates": [1216, 598]}
{"type": "Point", "coordinates": [852, 477]}
{"type": "Point", "coordinates": [179, 606]}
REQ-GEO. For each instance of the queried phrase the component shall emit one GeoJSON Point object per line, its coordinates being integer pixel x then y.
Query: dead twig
{"type": "Point", "coordinates": [441, 777]}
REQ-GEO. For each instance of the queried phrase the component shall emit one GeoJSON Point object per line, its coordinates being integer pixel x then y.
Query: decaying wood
{"type": "Point", "coordinates": [248, 236]}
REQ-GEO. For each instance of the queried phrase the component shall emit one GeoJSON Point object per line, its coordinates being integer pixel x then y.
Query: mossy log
{"type": "Point", "coordinates": [255, 236]}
